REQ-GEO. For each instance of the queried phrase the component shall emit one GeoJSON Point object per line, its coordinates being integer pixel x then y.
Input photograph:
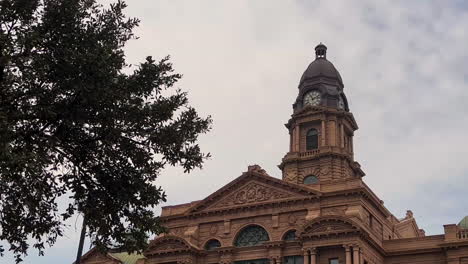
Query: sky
{"type": "Point", "coordinates": [405, 70]}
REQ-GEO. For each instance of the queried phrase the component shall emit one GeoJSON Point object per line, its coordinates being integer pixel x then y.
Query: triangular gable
{"type": "Point", "coordinates": [253, 186]}
{"type": "Point", "coordinates": [95, 256]}
{"type": "Point", "coordinates": [167, 244]}
{"type": "Point", "coordinates": [408, 228]}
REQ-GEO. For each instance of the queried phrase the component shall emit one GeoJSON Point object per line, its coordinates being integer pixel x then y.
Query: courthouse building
{"type": "Point", "coordinates": [320, 212]}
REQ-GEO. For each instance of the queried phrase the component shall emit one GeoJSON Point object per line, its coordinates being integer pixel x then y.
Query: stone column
{"type": "Point", "coordinates": [313, 256]}
{"type": "Point", "coordinates": [356, 257]}
{"type": "Point", "coordinates": [323, 133]}
{"type": "Point", "coordinates": [348, 254]}
{"type": "Point", "coordinates": [298, 138]}
{"type": "Point", "coordinates": [342, 136]}
{"type": "Point", "coordinates": [306, 256]}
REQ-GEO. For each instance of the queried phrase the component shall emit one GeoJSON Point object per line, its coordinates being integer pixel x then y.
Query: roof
{"type": "Point", "coordinates": [126, 258]}
{"type": "Point", "coordinates": [321, 67]}
{"type": "Point", "coordinates": [463, 223]}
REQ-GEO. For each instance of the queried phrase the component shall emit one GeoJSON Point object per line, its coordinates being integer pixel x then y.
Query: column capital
{"type": "Point", "coordinates": [313, 251]}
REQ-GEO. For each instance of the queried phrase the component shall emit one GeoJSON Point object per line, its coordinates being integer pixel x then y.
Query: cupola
{"type": "Point", "coordinates": [321, 84]}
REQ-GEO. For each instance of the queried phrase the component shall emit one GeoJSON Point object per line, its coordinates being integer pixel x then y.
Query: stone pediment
{"type": "Point", "coordinates": [253, 188]}
{"type": "Point", "coordinates": [329, 225]}
{"type": "Point", "coordinates": [252, 192]}
{"type": "Point", "coordinates": [96, 257]}
{"type": "Point", "coordinates": [168, 244]}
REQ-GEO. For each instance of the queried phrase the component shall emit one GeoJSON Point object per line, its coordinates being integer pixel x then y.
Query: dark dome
{"type": "Point", "coordinates": [321, 67]}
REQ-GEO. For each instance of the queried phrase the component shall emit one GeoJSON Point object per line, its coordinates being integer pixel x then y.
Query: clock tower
{"type": "Point", "coordinates": [321, 131]}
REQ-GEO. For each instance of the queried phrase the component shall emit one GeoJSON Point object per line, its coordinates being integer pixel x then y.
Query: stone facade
{"type": "Point", "coordinates": [334, 218]}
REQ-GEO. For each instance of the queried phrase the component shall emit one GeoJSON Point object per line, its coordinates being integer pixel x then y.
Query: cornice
{"type": "Point", "coordinates": [201, 208]}
{"type": "Point", "coordinates": [321, 110]}
{"type": "Point", "coordinates": [360, 191]}
{"type": "Point", "coordinates": [240, 208]}
{"type": "Point", "coordinates": [323, 152]}
{"type": "Point", "coordinates": [453, 244]}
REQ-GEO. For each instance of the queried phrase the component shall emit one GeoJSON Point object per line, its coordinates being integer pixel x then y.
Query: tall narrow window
{"type": "Point", "coordinates": [312, 139]}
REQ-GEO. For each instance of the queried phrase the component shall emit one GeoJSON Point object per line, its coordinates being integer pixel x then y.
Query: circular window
{"type": "Point", "coordinates": [311, 179]}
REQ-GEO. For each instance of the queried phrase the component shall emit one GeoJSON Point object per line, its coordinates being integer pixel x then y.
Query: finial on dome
{"type": "Point", "coordinates": [321, 51]}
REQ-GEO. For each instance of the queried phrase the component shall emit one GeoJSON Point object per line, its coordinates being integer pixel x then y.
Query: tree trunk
{"type": "Point", "coordinates": [82, 238]}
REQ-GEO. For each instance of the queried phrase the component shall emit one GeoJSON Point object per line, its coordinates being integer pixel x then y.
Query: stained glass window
{"type": "Point", "coordinates": [290, 235]}
{"type": "Point", "coordinates": [312, 139]}
{"type": "Point", "coordinates": [212, 244]}
{"type": "Point", "coordinates": [311, 179]}
{"type": "Point", "coordinates": [251, 236]}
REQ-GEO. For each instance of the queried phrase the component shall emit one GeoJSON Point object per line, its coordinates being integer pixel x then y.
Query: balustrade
{"type": "Point", "coordinates": [463, 234]}
{"type": "Point", "coordinates": [310, 153]}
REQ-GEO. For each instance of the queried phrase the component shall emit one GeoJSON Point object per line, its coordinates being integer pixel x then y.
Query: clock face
{"type": "Point", "coordinates": [340, 103]}
{"type": "Point", "coordinates": [312, 98]}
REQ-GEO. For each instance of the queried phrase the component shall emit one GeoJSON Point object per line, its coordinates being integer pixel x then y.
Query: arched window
{"type": "Point", "coordinates": [251, 236]}
{"type": "Point", "coordinates": [290, 235]}
{"type": "Point", "coordinates": [212, 244]}
{"type": "Point", "coordinates": [312, 139]}
{"type": "Point", "coordinates": [311, 179]}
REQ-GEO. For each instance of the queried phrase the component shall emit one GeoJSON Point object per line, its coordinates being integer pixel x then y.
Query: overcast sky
{"type": "Point", "coordinates": [405, 69]}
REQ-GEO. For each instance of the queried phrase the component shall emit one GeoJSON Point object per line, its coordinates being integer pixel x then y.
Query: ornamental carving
{"type": "Point", "coordinates": [316, 171]}
{"type": "Point", "coordinates": [252, 193]}
{"type": "Point", "coordinates": [291, 175]}
{"type": "Point", "coordinates": [329, 228]}
{"type": "Point", "coordinates": [328, 225]}
{"type": "Point", "coordinates": [338, 210]}
{"type": "Point", "coordinates": [213, 229]}
{"type": "Point", "coordinates": [178, 231]}
{"type": "Point", "coordinates": [292, 219]}
{"type": "Point", "coordinates": [97, 258]}
{"type": "Point", "coordinates": [169, 246]}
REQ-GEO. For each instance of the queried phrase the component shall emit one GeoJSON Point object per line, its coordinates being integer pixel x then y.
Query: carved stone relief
{"type": "Point", "coordinates": [316, 171]}
{"type": "Point", "coordinates": [328, 227]}
{"type": "Point", "coordinates": [291, 175]}
{"type": "Point", "coordinates": [252, 193]}
{"type": "Point", "coordinates": [178, 231]}
{"type": "Point", "coordinates": [292, 219]}
{"type": "Point", "coordinates": [168, 246]}
{"type": "Point", "coordinates": [338, 210]}
{"type": "Point", "coordinates": [213, 229]}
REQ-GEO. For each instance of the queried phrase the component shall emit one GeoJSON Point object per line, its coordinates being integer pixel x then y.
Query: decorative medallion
{"type": "Point", "coordinates": [213, 229]}
{"type": "Point", "coordinates": [292, 219]}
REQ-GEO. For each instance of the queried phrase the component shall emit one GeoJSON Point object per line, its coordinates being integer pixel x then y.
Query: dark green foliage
{"type": "Point", "coordinates": [76, 122]}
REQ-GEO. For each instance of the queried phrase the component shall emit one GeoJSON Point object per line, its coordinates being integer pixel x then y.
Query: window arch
{"type": "Point", "coordinates": [312, 139]}
{"type": "Point", "coordinates": [290, 235]}
{"type": "Point", "coordinates": [212, 244]}
{"type": "Point", "coordinates": [311, 179]}
{"type": "Point", "coordinates": [251, 236]}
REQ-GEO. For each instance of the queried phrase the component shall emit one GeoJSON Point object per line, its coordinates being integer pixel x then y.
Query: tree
{"type": "Point", "coordinates": [77, 121]}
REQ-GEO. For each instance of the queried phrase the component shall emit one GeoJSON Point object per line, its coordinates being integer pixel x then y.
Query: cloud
{"type": "Point", "coordinates": [404, 69]}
